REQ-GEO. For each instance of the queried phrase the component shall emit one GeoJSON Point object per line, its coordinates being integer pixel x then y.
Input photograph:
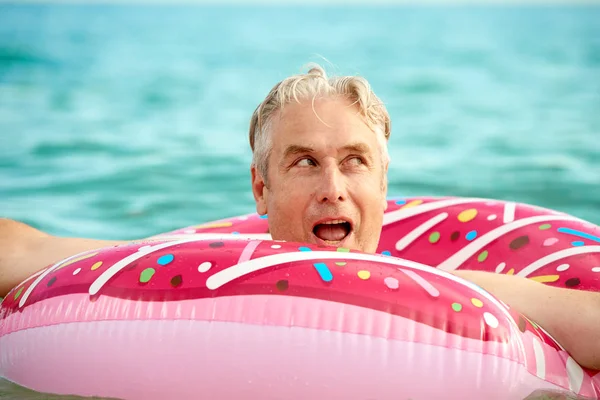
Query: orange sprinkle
{"type": "Point", "coordinates": [96, 265]}
{"type": "Point", "coordinates": [545, 278]}
{"type": "Point", "coordinates": [413, 203]}
{"type": "Point", "coordinates": [511, 271]}
{"type": "Point", "coordinates": [215, 225]}
{"type": "Point", "coordinates": [362, 274]}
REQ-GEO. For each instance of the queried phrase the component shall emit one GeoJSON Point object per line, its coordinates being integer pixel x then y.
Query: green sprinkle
{"type": "Point", "coordinates": [434, 237]}
{"type": "Point", "coordinates": [343, 250]}
{"type": "Point", "coordinates": [146, 275]}
{"type": "Point", "coordinates": [19, 292]}
{"type": "Point", "coordinates": [482, 256]}
{"type": "Point", "coordinates": [340, 263]}
{"type": "Point", "coordinates": [544, 227]}
{"type": "Point", "coordinates": [457, 307]}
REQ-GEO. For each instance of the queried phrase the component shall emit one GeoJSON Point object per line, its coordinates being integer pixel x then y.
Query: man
{"type": "Point", "coordinates": [319, 170]}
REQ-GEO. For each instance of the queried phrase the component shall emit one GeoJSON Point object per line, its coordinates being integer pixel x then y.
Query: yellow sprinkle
{"type": "Point", "coordinates": [545, 278]}
{"type": "Point", "coordinates": [215, 225]}
{"type": "Point", "coordinates": [96, 265]}
{"type": "Point", "coordinates": [511, 271]}
{"type": "Point", "coordinates": [477, 303]}
{"type": "Point", "coordinates": [362, 274]}
{"type": "Point", "coordinates": [467, 215]}
{"type": "Point", "coordinates": [83, 257]}
{"type": "Point", "coordinates": [412, 203]}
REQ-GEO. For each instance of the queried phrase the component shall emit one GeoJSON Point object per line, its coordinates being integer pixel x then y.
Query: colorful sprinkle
{"type": "Point", "coordinates": [454, 236]}
{"type": "Point", "coordinates": [215, 225]}
{"type": "Point", "coordinates": [482, 256]}
{"type": "Point", "coordinates": [96, 265]}
{"type": "Point", "coordinates": [215, 245]}
{"type": "Point", "coordinates": [51, 281]}
{"type": "Point", "coordinates": [78, 270]}
{"type": "Point", "coordinates": [340, 263]}
{"type": "Point", "coordinates": [577, 243]}
{"type": "Point", "coordinates": [467, 215]}
{"type": "Point", "coordinates": [400, 202]}
{"type": "Point", "coordinates": [550, 241]}
{"type": "Point", "coordinates": [362, 274]}
{"type": "Point", "coordinates": [492, 217]}
{"type": "Point", "coordinates": [282, 285]}
{"type": "Point", "coordinates": [511, 271]}
{"type": "Point", "coordinates": [276, 246]}
{"type": "Point", "coordinates": [18, 293]}
{"type": "Point", "coordinates": [343, 250]}
{"type": "Point", "coordinates": [491, 320]}
{"type": "Point", "coordinates": [596, 269]}
{"type": "Point", "coordinates": [457, 307]}
{"type": "Point", "coordinates": [562, 267]}
{"type": "Point", "coordinates": [471, 235]}
{"type": "Point", "coordinates": [545, 278]}
{"type": "Point", "coordinates": [391, 283]}
{"type": "Point", "coordinates": [477, 303]}
{"type": "Point", "coordinates": [386, 253]}
{"type": "Point", "coordinates": [572, 282]}
{"type": "Point", "coordinates": [434, 237]}
{"type": "Point", "coordinates": [579, 233]}
{"type": "Point", "coordinates": [413, 203]}
{"type": "Point", "coordinates": [204, 267]}
{"type": "Point", "coordinates": [323, 271]}
{"type": "Point", "coordinates": [304, 248]}
{"type": "Point", "coordinates": [166, 259]}
{"type": "Point", "coordinates": [176, 281]}
{"type": "Point", "coordinates": [544, 227]}
{"type": "Point", "coordinates": [500, 267]}
{"type": "Point", "coordinates": [235, 233]}
{"type": "Point", "coordinates": [519, 242]}
{"type": "Point", "coordinates": [146, 275]}
{"type": "Point", "coordinates": [264, 216]}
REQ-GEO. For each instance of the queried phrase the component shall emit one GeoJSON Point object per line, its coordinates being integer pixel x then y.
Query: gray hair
{"type": "Point", "coordinates": [308, 86]}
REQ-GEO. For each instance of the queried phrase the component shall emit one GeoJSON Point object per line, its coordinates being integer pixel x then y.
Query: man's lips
{"type": "Point", "coordinates": [332, 230]}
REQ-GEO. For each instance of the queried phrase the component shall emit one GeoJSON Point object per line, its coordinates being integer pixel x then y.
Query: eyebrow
{"type": "Point", "coordinates": [294, 149]}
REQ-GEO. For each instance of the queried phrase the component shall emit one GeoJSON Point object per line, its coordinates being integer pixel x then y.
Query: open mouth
{"type": "Point", "coordinates": [333, 231]}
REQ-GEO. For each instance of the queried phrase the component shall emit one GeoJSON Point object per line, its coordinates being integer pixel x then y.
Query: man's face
{"type": "Point", "coordinates": [326, 179]}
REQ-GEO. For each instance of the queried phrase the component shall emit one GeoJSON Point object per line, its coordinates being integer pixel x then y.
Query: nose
{"type": "Point", "coordinates": [331, 186]}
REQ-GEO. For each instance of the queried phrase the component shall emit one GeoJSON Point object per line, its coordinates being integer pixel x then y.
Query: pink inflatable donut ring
{"type": "Point", "coordinates": [205, 312]}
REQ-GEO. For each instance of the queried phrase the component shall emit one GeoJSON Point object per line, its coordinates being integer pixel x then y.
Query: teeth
{"type": "Point", "coordinates": [335, 221]}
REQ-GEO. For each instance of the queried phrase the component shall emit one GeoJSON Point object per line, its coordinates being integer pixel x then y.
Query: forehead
{"type": "Point", "coordinates": [324, 124]}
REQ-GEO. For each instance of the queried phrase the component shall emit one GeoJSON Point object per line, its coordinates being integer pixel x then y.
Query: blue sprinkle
{"type": "Point", "coordinates": [386, 253]}
{"type": "Point", "coordinates": [304, 249]}
{"type": "Point", "coordinates": [164, 260]}
{"type": "Point", "coordinates": [400, 202]}
{"type": "Point", "coordinates": [235, 233]}
{"type": "Point", "coordinates": [323, 271]}
{"type": "Point", "coordinates": [578, 243]}
{"type": "Point", "coordinates": [471, 235]}
{"type": "Point", "coordinates": [264, 216]}
{"type": "Point", "coordinates": [580, 234]}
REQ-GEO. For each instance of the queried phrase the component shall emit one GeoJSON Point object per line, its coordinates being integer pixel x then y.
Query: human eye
{"type": "Point", "coordinates": [305, 162]}
{"type": "Point", "coordinates": [356, 161]}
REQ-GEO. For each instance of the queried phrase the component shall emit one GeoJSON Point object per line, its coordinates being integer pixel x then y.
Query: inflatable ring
{"type": "Point", "coordinates": [222, 311]}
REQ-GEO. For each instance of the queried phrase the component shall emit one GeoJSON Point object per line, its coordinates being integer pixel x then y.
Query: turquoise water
{"type": "Point", "coordinates": [125, 121]}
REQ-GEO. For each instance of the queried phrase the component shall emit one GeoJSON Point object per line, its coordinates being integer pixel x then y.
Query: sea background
{"type": "Point", "coordinates": [123, 121]}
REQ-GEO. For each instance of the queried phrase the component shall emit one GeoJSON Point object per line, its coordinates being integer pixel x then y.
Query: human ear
{"type": "Point", "coordinates": [259, 190]}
